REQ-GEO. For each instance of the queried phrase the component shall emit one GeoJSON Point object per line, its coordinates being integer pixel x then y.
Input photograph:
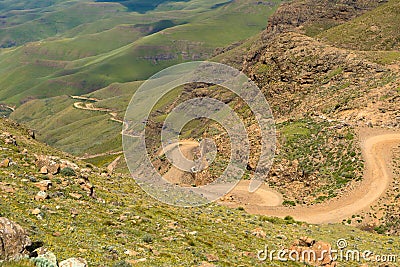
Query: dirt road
{"type": "Point", "coordinates": [175, 175]}
{"type": "Point", "coordinates": [376, 147]}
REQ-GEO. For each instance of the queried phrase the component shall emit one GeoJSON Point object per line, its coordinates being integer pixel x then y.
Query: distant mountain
{"type": "Point", "coordinates": [141, 6]}
{"type": "Point", "coordinates": [93, 44]}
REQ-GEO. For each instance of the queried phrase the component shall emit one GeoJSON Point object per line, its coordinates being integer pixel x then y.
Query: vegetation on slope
{"type": "Point", "coordinates": [123, 47]}
{"type": "Point", "coordinates": [375, 30]}
{"type": "Point", "coordinates": [121, 223]}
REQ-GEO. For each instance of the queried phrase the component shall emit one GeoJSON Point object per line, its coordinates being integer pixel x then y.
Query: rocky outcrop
{"type": "Point", "coordinates": [13, 240]}
{"type": "Point", "coordinates": [309, 17]}
{"type": "Point", "coordinates": [298, 15]}
{"type": "Point", "coordinates": [321, 249]}
{"type": "Point", "coordinates": [293, 66]}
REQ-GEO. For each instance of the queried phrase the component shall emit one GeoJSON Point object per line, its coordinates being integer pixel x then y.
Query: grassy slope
{"type": "Point", "coordinates": [90, 58]}
{"type": "Point", "coordinates": [36, 24]}
{"type": "Point", "coordinates": [207, 30]}
{"type": "Point", "coordinates": [130, 220]}
{"type": "Point", "coordinates": [58, 122]}
{"type": "Point", "coordinates": [375, 30]}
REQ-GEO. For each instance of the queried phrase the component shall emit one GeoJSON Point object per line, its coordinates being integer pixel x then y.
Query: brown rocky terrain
{"type": "Point", "coordinates": [308, 81]}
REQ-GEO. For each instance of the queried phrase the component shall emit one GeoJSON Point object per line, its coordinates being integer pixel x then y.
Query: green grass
{"type": "Point", "coordinates": [57, 122]}
{"type": "Point", "coordinates": [375, 30]}
{"type": "Point", "coordinates": [24, 263]}
{"type": "Point", "coordinates": [331, 156]}
{"type": "Point", "coordinates": [382, 57]}
{"type": "Point", "coordinates": [294, 131]}
{"type": "Point", "coordinates": [102, 161]}
{"type": "Point", "coordinates": [117, 46]}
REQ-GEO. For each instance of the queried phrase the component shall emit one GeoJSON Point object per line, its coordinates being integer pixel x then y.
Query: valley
{"type": "Point", "coordinates": [329, 71]}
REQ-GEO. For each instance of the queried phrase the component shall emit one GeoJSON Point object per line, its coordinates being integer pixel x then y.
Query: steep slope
{"type": "Point", "coordinates": [375, 30]}
{"type": "Point", "coordinates": [313, 16]}
{"type": "Point", "coordinates": [309, 17]}
{"type": "Point", "coordinates": [305, 77]}
{"type": "Point", "coordinates": [108, 219]}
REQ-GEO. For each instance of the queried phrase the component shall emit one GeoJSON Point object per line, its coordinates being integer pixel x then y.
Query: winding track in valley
{"type": "Point", "coordinates": [376, 147]}
{"type": "Point", "coordinates": [91, 107]}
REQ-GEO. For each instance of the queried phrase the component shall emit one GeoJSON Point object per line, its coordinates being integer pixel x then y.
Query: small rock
{"type": "Point", "coordinates": [75, 195]}
{"type": "Point", "coordinates": [74, 212]}
{"type": "Point", "coordinates": [31, 133]}
{"type": "Point", "coordinates": [44, 170]}
{"type": "Point", "coordinates": [212, 258]}
{"type": "Point", "coordinates": [54, 168]}
{"type": "Point", "coordinates": [130, 252]}
{"type": "Point", "coordinates": [258, 232]}
{"type": "Point", "coordinates": [5, 163]}
{"type": "Point", "coordinates": [136, 261]}
{"type": "Point", "coordinates": [56, 234]}
{"type": "Point", "coordinates": [74, 262]}
{"type": "Point", "coordinates": [35, 211]}
{"type": "Point", "coordinates": [43, 185]}
{"type": "Point", "coordinates": [41, 195]}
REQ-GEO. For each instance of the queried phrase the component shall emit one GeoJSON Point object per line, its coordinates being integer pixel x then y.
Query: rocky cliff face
{"type": "Point", "coordinates": [309, 17]}
{"type": "Point", "coordinates": [316, 15]}
{"type": "Point", "coordinates": [293, 68]}
{"type": "Point", "coordinates": [308, 80]}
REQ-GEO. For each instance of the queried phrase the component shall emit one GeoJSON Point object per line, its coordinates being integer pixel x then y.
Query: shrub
{"type": "Point", "coordinates": [67, 171]}
{"type": "Point", "coordinates": [147, 239]}
{"type": "Point", "coordinates": [289, 203]}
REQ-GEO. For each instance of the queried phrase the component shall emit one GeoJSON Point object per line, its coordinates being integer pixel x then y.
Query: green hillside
{"type": "Point", "coordinates": [119, 223]}
{"type": "Point", "coordinates": [375, 30]}
{"type": "Point", "coordinates": [122, 46]}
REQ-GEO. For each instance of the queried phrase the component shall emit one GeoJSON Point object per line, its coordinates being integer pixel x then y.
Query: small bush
{"type": "Point", "coordinates": [380, 229]}
{"type": "Point", "coordinates": [289, 203]}
{"type": "Point", "coordinates": [147, 239]}
{"type": "Point", "coordinates": [67, 171]}
{"type": "Point", "coordinates": [289, 220]}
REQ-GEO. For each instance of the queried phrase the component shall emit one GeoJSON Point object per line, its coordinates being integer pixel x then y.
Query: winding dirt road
{"type": "Point", "coordinates": [174, 175]}
{"type": "Point", "coordinates": [376, 147]}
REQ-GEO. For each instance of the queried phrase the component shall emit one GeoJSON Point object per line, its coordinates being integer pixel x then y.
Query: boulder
{"type": "Point", "coordinates": [41, 195]}
{"type": "Point", "coordinates": [43, 185]}
{"type": "Point", "coordinates": [53, 168]}
{"type": "Point", "coordinates": [14, 240]}
{"type": "Point", "coordinates": [322, 251]}
{"type": "Point", "coordinates": [44, 170]}
{"type": "Point", "coordinates": [45, 256]}
{"type": "Point", "coordinates": [31, 133]}
{"type": "Point", "coordinates": [47, 165]}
